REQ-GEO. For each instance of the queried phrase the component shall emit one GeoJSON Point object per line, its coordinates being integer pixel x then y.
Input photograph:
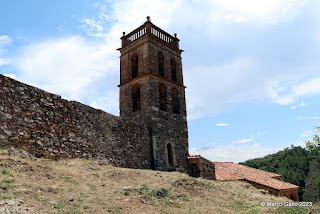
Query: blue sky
{"type": "Point", "coordinates": [251, 67]}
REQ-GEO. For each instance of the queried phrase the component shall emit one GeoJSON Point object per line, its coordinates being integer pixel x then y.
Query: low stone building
{"type": "Point", "coordinates": [200, 167]}
{"type": "Point", "coordinates": [228, 171]}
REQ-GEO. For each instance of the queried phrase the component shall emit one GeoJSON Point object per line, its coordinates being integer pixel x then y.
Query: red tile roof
{"type": "Point", "coordinates": [194, 157]}
{"type": "Point", "coordinates": [232, 171]}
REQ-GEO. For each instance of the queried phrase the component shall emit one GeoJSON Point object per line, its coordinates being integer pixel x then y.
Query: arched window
{"type": "Point", "coordinates": [170, 154]}
{"type": "Point", "coordinates": [175, 101]}
{"type": "Point", "coordinates": [173, 69]}
{"type": "Point", "coordinates": [162, 97]}
{"type": "Point", "coordinates": [136, 98]}
{"type": "Point", "coordinates": [161, 64]}
{"type": "Point", "coordinates": [134, 65]}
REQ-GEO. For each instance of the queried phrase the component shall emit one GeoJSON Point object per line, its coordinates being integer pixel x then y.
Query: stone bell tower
{"type": "Point", "coordinates": [152, 93]}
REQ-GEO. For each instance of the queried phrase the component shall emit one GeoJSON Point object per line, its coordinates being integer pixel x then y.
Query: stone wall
{"type": "Point", "coordinates": [166, 125]}
{"type": "Point", "coordinates": [44, 124]}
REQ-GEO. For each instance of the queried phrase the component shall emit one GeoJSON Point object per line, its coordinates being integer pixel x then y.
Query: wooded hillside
{"type": "Point", "coordinates": [296, 165]}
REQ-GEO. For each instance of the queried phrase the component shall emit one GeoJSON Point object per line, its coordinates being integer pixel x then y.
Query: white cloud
{"type": "Point", "coordinates": [307, 133]}
{"type": "Point", "coordinates": [270, 11]}
{"type": "Point", "coordinates": [109, 102]}
{"type": "Point", "coordinates": [222, 85]}
{"type": "Point", "coordinates": [4, 61]}
{"type": "Point", "coordinates": [302, 104]}
{"type": "Point", "coordinates": [299, 143]}
{"type": "Point", "coordinates": [222, 124]}
{"type": "Point", "coordinates": [289, 93]}
{"type": "Point", "coordinates": [10, 75]}
{"type": "Point", "coordinates": [5, 41]}
{"type": "Point", "coordinates": [308, 118]}
{"type": "Point", "coordinates": [234, 153]}
{"type": "Point", "coordinates": [93, 28]}
{"type": "Point", "coordinates": [245, 140]}
{"type": "Point", "coordinates": [244, 79]}
{"type": "Point", "coordinates": [67, 66]}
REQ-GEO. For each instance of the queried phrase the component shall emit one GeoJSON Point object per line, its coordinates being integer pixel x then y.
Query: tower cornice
{"type": "Point", "coordinates": [154, 75]}
{"type": "Point", "coordinates": [149, 29]}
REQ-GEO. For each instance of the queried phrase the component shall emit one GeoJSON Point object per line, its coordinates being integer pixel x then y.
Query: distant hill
{"type": "Point", "coordinates": [296, 165]}
{"type": "Point", "coordinates": [74, 186]}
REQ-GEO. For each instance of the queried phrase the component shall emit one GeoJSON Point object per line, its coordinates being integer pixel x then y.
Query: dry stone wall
{"type": "Point", "coordinates": [44, 124]}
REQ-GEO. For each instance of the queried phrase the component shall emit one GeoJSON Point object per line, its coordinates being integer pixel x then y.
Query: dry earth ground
{"type": "Point", "coordinates": [89, 186]}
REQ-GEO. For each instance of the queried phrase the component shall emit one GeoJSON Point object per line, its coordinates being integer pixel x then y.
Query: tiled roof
{"type": "Point", "coordinates": [199, 157]}
{"type": "Point", "coordinates": [232, 171]}
{"type": "Point", "coordinates": [194, 157]}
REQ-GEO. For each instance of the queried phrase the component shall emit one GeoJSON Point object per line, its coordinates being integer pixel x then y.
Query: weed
{"type": "Point", "coordinates": [47, 155]}
{"type": "Point", "coordinates": [35, 195]}
{"type": "Point", "coordinates": [8, 181]}
{"type": "Point", "coordinates": [186, 198]}
{"type": "Point", "coordinates": [93, 187]}
{"type": "Point", "coordinates": [126, 192]}
{"type": "Point", "coordinates": [67, 178]}
{"type": "Point", "coordinates": [73, 211]}
{"type": "Point", "coordinates": [6, 197]}
{"type": "Point", "coordinates": [147, 195]}
{"type": "Point", "coordinates": [162, 193]}
{"type": "Point", "coordinates": [58, 206]}
{"type": "Point", "coordinates": [5, 184]}
{"type": "Point", "coordinates": [114, 209]}
{"type": "Point", "coordinates": [208, 185]}
{"type": "Point", "coordinates": [17, 193]}
{"type": "Point", "coordinates": [242, 205]}
{"type": "Point", "coordinates": [53, 190]}
{"type": "Point", "coordinates": [158, 193]}
{"type": "Point", "coordinates": [96, 175]}
{"type": "Point", "coordinates": [5, 172]}
{"type": "Point", "coordinates": [253, 211]}
{"type": "Point", "coordinates": [178, 205]}
{"type": "Point", "coordinates": [179, 182]}
{"type": "Point", "coordinates": [289, 210]}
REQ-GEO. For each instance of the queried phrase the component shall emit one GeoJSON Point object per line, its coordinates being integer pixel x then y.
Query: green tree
{"type": "Point", "coordinates": [315, 143]}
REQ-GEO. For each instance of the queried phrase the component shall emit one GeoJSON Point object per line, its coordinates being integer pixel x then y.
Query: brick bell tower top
{"type": "Point", "coordinates": [152, 92]}
{"type": "Point", "coordinates": [148, 50]}
{"type": "Point", "coordinates": [150, 29]}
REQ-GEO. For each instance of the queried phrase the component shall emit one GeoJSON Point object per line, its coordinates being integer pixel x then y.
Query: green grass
{"type": "Point", "coordinates": [186, 198]}
{"type": "Point", "coordinates": [58, 206]}
{"type": "Point", "coordinates": [289, 210]}
{"type": "Point", "coordinates": [5, 172]}
{"type": "Point", "coordinates": [6, 197]}
{"type": "Point", "coordinates": [126, 192]}
{"type": "Point", "coordinates": [6, 183]}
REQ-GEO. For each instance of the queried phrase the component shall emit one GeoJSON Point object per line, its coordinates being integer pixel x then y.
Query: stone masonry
{"type": "Point", "coordinates": [46, 125]}
{"type": "Point", "coordinates": [150, 133]}
{"type": "Point", "coordinates": [150, 64]}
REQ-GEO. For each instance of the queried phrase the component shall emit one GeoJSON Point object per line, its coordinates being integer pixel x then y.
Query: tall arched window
{"type": "Point", "coordinates": [170, 154]}
{"type": "Point", "coordinates": [173, 69]}
{"type": "Point", "coordinates": [161, 64]}
{"type": "Point", "coordinates": [175, 101]}
{"type": "Point", "coordinates": [162, 97]}
{"type": "Point", "coordinates": [136, 98]}
{"type": "Point", "coordinates": [134, 65]}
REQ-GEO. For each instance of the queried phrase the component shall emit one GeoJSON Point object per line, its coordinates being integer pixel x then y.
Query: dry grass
{"type": "Point", "coordinates": [84, 186]}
